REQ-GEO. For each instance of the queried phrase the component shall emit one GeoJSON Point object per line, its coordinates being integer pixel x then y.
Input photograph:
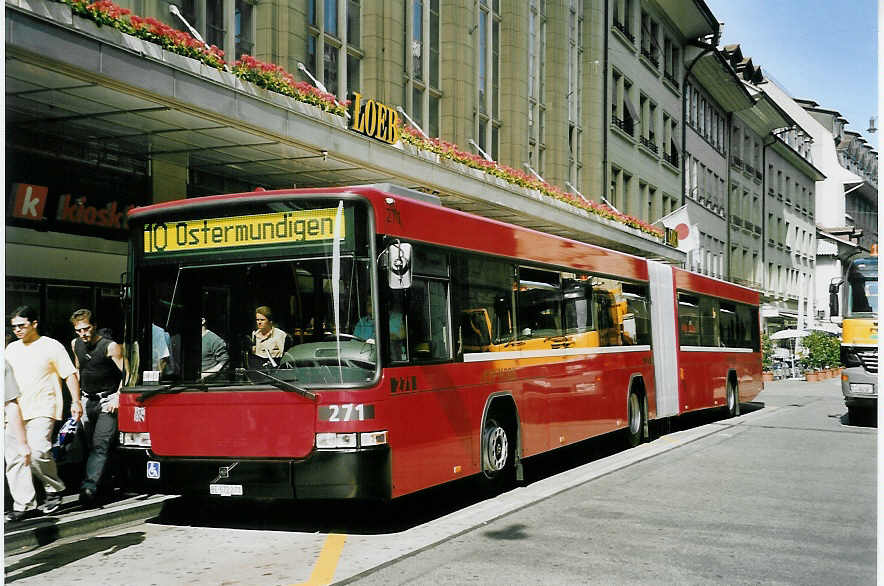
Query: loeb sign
{"type": "Point", "coordinates": [374, 119]}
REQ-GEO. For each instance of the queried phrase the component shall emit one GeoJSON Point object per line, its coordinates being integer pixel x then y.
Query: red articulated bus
{"type": "Point", "coordinates": [367, 342]}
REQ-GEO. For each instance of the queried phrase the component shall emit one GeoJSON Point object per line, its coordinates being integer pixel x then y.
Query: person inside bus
{"type": "Point", "coordinates": [214, 352]}
{"type": "Point", "coordinates": [268, 343]}
{"type": "Point", "coordinates": [364, 328]}
{"type": "Point", "coordinates": [397, 330]}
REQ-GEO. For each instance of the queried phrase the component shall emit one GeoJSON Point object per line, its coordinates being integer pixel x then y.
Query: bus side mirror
{"type": "Point", "coordinates": [399, 265]}
{"type": "Point", "coordinates": [833, 298]}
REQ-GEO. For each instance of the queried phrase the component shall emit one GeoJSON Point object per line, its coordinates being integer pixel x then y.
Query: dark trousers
{"type": "Point", "coordinates": [101, 436]}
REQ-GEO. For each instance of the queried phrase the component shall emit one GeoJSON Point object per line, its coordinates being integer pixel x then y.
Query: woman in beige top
{"type": "Point", "coordinates": [268, 342]}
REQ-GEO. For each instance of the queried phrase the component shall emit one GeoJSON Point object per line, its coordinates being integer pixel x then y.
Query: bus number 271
{"type": "Point", "coordinates": [346, 412]}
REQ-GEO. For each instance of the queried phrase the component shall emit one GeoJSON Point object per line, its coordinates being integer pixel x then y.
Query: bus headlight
{"type": "Point", "coordinates": [325, 441]}
{"type": "Point", "coordinates": [140, 440]}
{"type": "Point", "coordinates": [329, 441]}
{"type": "Point", "coordinates": [373, 438]}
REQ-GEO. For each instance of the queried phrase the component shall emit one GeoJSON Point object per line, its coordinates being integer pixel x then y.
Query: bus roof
{"type": "Point", "coordinates": [407, 214]}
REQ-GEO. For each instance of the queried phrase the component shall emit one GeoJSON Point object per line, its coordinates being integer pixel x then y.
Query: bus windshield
{"type": "Point", "coordinates": [299, 310]}
{"type": "Point", "coordinates": [862, 288]}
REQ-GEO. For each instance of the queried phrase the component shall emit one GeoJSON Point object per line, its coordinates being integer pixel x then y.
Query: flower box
{"type": "Point", "coordinates": [104, 32]}
{"type": "Point", "coordinates": [60, 13]}
{"type": "Point", "coordinates": [181, 62]}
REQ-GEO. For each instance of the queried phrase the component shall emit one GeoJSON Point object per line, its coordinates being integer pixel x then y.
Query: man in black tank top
{"type": "Point", "coordinates": [100, 363]}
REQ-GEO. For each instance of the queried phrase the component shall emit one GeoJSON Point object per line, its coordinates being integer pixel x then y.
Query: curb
{"type": "Point", "coordinates": [44, 530]}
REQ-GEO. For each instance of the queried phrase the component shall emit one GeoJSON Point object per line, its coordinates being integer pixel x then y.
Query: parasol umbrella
{"type": "Point", "coordinates": [789, 334]}
{"type": "Point", "coordinates": [793, 335]}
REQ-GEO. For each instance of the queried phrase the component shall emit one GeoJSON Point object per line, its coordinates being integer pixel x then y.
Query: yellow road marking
{"type": "Point", "coordinates": [324, 570]}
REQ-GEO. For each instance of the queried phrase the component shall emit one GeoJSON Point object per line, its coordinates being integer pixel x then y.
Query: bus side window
{"type": "Point", "coordinates": [637, 321]}
{"type": "Point", "coordinates": [483, 294]}
{"type": "Point", "coordinates": [688, 320]}
{"type": "Point", "coordinates": [608, 317]}
{"type": "Point", "coordinates": [428, 320]}
{"type": "Point", "coordinates": [539, 304]}
{"type": "Point", "coordinates": [729, 325]}
{"type": "Point", "coordinates": [708, 321]}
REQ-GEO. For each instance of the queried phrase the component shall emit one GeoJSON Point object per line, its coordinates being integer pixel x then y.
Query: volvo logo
{"type": "Point", "coordinates": [224, 471]}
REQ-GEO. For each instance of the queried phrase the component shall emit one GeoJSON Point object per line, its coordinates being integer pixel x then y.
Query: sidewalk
{"type": "Point", "coordinates": [73, 519]}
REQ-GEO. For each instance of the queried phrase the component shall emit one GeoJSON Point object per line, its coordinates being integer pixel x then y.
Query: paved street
{"type": "Point", "coordinates": [783, 494]}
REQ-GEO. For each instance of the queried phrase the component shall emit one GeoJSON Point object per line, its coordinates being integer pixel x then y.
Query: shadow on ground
{"type": "Point", "coordinates": [61, 555]}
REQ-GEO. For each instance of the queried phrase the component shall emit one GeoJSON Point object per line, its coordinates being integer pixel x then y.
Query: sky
{"type": "Point", "coordinates": [822, 50]}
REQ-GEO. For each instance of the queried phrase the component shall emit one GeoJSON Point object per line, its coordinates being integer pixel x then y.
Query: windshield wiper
{"type": "Point", "coordinates": [169, 390]}
{"type": "Point", "coordinates": [281, 384]}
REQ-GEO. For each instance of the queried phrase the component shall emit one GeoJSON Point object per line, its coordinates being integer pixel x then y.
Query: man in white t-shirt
{"type": "Point", "coordinates": [17, 455]}
{"type": "Point", "coordinates": [39, 364]}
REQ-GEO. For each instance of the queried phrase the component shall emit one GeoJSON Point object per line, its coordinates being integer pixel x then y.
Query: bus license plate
{"type": "Point", "coordinates": [226, 489]}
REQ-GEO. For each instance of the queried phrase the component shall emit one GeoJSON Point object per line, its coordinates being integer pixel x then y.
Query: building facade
{"type": "Point", "coordinates": [642, 143]}
{"type": "Point", "coordinates": [626, 102]}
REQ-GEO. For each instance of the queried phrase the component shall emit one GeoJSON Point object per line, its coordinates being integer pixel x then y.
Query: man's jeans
{"type": "Point", "coordinates": [101, 436]}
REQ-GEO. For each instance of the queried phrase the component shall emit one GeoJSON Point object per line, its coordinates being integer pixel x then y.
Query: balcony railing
{"type": "Point", "coordinates": [622, 28]}
{"type": "Point", "coordinates": [649, 144]}
{"type": "Point", "coordinates": [651, 56]}
{"type": "Point", "coordinates": [738, 162]}
{"type": "Point", "coordinates": [668, 75]}
{"type": "Point", "coordinates": [624, 125]}
{"type": "Point", "coordinates": [671, 158]}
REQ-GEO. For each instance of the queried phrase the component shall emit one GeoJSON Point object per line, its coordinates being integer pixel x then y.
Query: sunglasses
{"type": "Point", "coordinates": [20, 326]}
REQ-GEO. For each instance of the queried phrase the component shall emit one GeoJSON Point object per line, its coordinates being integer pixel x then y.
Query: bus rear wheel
{"type": "Point", "coordinates": [733, 399]}
{"type": "Point", "coordinates": [636, 420]}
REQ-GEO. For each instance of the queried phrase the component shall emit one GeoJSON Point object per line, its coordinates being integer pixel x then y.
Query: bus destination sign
{"type": "Point", "coordinates": [303, 227]}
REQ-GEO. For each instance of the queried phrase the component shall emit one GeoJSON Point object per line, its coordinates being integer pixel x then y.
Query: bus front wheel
{"type": "Point", "coordinates": [495, 449]}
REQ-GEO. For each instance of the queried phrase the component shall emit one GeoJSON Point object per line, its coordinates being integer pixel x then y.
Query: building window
{"type": "Point", "coordinates": [575, 89]}
{"type": "Point", "coordinates": [623, 18]}
{"type": "Point", "coordinates": [243, 28]}
{"type": "Point", "coordinates": [536, 74]}
{"type": "Point", "coordinates": [624, 115]}
{"type": "Point", "coordinates": [487, 115]}
{"type": "Point", "coordinates": [648, 113]}
{"type": "Point", "coordinates": [214, 29]}
{"type": "Point", "coordinates": [652, 205]}
{"type": "Point", "coordinates": [421, 95]}
{"type": "Point", "coordinates": [621, 184]}
{"type": "Point", "coordinates": [650, 47]}
{"type": "Point", "coordinates": [671, 57]}
{"type": "Point", "coordinates": [233, 32]}
{"type": "Point", "coordinates": [333, 43]}
{"type": "Point", "coordinates": [670, 137]}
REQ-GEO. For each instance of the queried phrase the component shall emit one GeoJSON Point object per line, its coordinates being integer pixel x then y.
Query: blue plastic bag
{"type": "Point", "coordinates": [68, 445]}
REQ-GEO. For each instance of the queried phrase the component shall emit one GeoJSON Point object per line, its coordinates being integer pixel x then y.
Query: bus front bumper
{"type": "Point", "coordinates": [859, 387]}
{"type": "Point", "coordinates": [325, 474]}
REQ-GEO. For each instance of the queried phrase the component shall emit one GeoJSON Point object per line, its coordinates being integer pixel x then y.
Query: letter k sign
{"type": "Point", "coordinates": [30, 200]}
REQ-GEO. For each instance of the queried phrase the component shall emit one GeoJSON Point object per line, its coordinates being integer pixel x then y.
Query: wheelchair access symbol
{"type": "Point", "coordinates": [153, 469]}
